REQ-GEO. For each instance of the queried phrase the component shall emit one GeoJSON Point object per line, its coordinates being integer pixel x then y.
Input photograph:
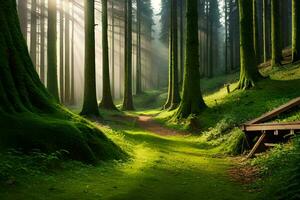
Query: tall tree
{"type": "Point", "coordinates": [107, 101]}
{"type": "Point", "coordinates": [61, 51]}
{"type": "Point", "coordinates": [127, 100]}
{"type": "Point", "coordinates": [23, 13]}
{"type": "Point", "coordinates": [90, 107]}
{"type": "Point", "coordinates": [255, 31]}
{"type": "Point", "coordinates": [276, 33]}
{"type": "Point", "coordinates": [192, 101]}
{"type": "Point", "coordinates": [249, 73]}
{"type": "Point", "coordinates": [72, 57]}
{"type": "Point", "coordinates": [138, 54]}
{"type": "Point", "coordinates": [67, 77]}
{"type": "Point", "coordinates": [33, 31]}
{"type": "Point", "coordinates": [39, 122]}
{"type": "Point", "coordinates": [265, 30]}
{"type": "Point", "coordinates": [173, 93]}
{"type": "Point", "coordinates": [113, 49]}
{"type": "Point", "coordinates": [296, 30]}
{"type": "Point", "coordinates": [52, 83]}
{"type": "Point", "coordinates": [42, 55]}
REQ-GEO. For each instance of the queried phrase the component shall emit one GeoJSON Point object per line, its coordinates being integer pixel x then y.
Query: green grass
{"type": "Point", "coordinates": [159, 168]}
{"type": "Point", "coordinates": [189, 167]}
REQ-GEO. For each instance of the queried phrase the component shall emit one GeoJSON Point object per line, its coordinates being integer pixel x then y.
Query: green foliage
{"type": "Point", "coordinates": [15, 164]}
{"type": "Point", "coordinates": [281, 169]}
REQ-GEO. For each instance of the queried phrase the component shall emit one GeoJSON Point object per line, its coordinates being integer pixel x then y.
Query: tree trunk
{"type": "Point", "coordinates": [255, 31]}
{"type": "Point", "coordinates": [113, 50]}
{"type": "Point", "coordinates": [42, 59]}
{"type": "Point", "coordinates": [61, 52]}
{"type": "Point", "coordinates": [23, 13]}
{"type": "Point", "coordinates": [174, 96]}
{"type": "Point", "coordinates": [67, 94]}
{"type": "Point", "coordinates": [72, 57]}
{"type": "Point", "coordinates": [90, 107]}
{"type": "Point", "coordinates": [276, 33]}
{"type": "Point", "coordinates": [39, 122]}
{"type": "Point", "coordinates": [296, 30]}
{"type": "Point", "coordinates": [265, 44]}
{"type": "Point", "coordinates": [52, 83]}
{"type": "Point", "coordinates": [107, 101]}
{"type": "Point", "coordinates": [33, 30]}
{"type": "Point", "coordinates": [192, 101]}
{"type": "Point", "coordinates": [128, 101]}
{"type": "Point", "coordinates": [249, 72]}
{"type": "Point", "coordinates": [138, 54]}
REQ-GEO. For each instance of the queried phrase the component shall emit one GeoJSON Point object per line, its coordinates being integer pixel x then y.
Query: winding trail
{"type": "Point", "coordinates": [146, 122]}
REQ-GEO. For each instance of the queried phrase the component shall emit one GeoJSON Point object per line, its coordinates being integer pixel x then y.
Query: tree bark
{"type": "Point", "coordinates": [90, 107]}
{"type": "Point", "coordinates": [107, 101]}
{"type": "Point", "coordinates": [192, 101]}
{"type": "Point", "coordinates": [249, 73]}
{"type": "Point", "coordinates": [128, 101]}
{"type": "Point", "coordinates": [276, 33]}
{"type": "Point", "coordinates": [23, 16]}
{"type": "Point", "coordinates": [33, 31]}
{"type": "Point", "coordinates": [67, 95]}
{"type": "Point", "coordinates": [173, 96]}
{"type": "Point", "coordinates": [61, 52]}
{"type": "Point", "coordinates": [52, 83]}
{"type": "Point", "coordinates": [42, 59]}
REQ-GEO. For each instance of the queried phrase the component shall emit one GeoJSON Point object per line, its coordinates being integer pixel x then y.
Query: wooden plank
{"type": "Point", "coordinates": [277, 111]}
{"type": "Point", "coordinates": [257, 144]}
{"type": "Point", "coordinates": [271, 127]}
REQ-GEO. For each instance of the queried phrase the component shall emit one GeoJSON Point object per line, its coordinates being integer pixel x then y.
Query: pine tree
{"type": "Point", "coordinates": [249, 73]}
{"type": "Point", "coordinates": [276, 33]}
{"type": "Point", "coordinates": [192, 101]}
{"type": "Point", "coordinates": [107, 101]}
{"type": "Point", "coordinates": [173, 93]}
{"type": "Point", "coordinates": [127, 100]}
{"type": "Point", "coordinates": [33, 31]}
{"type": "Point", "coordinates": [90, 107]}
{"type": "Point", "coordinates": [52, 83]}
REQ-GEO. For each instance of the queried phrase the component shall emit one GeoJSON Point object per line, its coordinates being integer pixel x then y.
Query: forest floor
{"type": "Point", "coordinates": [167, 161]}
{"type": "Point", "coordinates": [165, 164]}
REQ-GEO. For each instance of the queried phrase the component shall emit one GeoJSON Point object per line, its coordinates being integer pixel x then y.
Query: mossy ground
{"type": "Point", "coordinates": [178, 167]}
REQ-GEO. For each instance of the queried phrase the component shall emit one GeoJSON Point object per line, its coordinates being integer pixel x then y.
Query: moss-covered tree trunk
{"type": "Point", "coordinates": [30, 118]}
{"type": "Point", "coordinates": [276, 33]}
{"type": "Point", "coordinates": [296, 30]}
{"type": "Point", "coordinates": [52, 83]}
{"type": "Point", "coordinates": [128, 100]}
{"type": "Point", "coordinates": [22, 11]}
{"type": "Point", "coordinates": [90, 107]}
{"type": "Point", "coordinates": [173, 94]}
{"type": "Point", "coordinates": [33, 32]}
{"type": "Point", "coordinates": [249, 73]}
{"type": "Point", "coordinates": [107, 101]}
{"type": "Point", "coordinates": [192, 101]}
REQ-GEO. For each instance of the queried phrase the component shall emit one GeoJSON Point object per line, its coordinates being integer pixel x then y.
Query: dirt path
{"type": "Point", "coordinates": [146, 122]}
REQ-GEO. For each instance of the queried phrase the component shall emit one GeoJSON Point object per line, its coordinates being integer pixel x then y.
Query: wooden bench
{"type": "Point", "coordinates": [264, 131]}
